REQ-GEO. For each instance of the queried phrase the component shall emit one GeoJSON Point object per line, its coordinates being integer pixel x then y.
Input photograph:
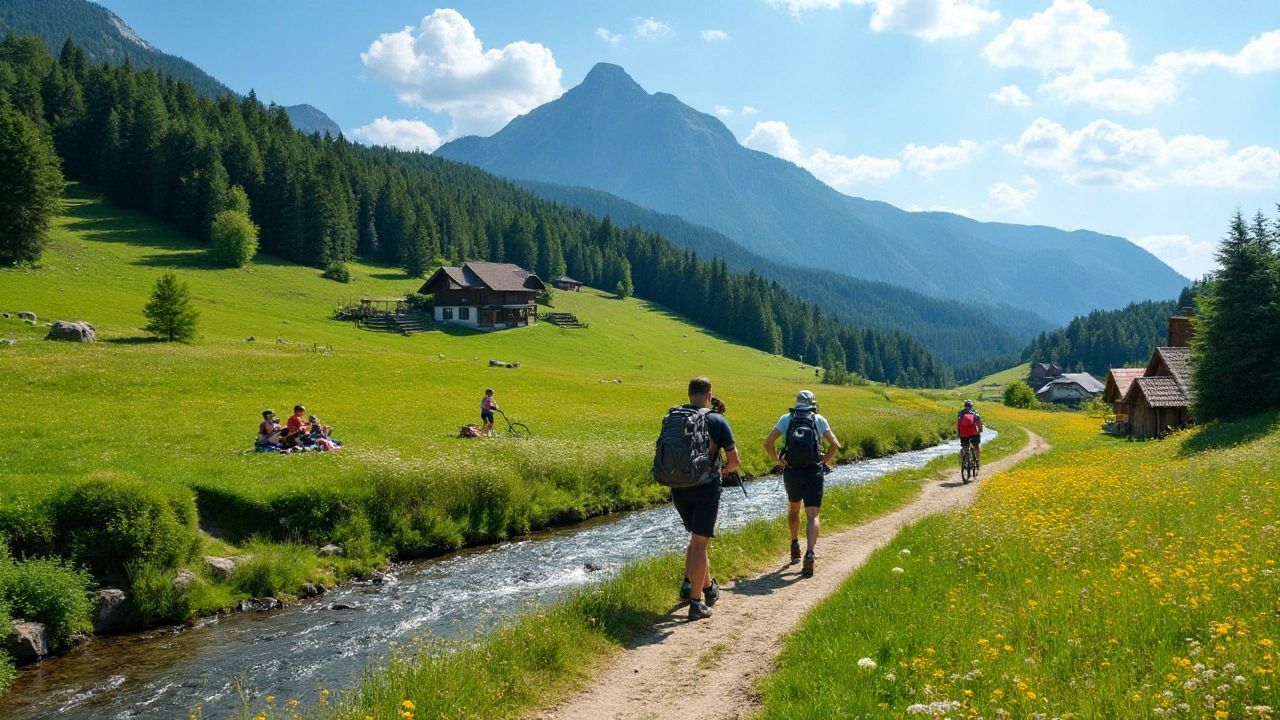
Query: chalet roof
{"type": "Point", "coordinates": [1045, 370]}
{"type": "Point", "coordinates": [1178, 360]}
{"type": "Point", "coordinates": [567, 279]}
{"type": "Point", "coordinates": [1118, 382]}
{"type": "Point", "coordinates": [501, 277]}
{"type": "Point", "coordinates": [1084, 380]}
{"type": "Point", "coordinates": [1160, 391]}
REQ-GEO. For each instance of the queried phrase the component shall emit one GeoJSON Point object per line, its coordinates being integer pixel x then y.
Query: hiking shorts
{"type": "Point", "coordinates": [698, 507]}
{"type": "Point", "coordinates": [486, 417]}
{"type": "Point", "coordinates": [804, 485]}
{"type": "Point", "coordinates": [974, 440]}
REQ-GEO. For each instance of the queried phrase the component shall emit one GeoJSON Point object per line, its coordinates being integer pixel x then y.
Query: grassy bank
{"type": "Point", "coordinates": [130, 457]}
{"type": "Point", "coordinates": [1104, 579]}
{"type": "Point", "coordinates": [540, 657]}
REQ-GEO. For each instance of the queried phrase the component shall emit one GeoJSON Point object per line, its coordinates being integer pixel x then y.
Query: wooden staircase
{"type": "Point", "coordinates": [564, 320]}
{"type": "Point", "coordinates": [403, 323]}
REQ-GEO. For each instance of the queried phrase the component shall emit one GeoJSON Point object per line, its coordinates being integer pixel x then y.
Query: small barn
{"type": "Point", "coordinates": [566, 283]}
{"type": "Point", "coordinates": [1070, 389]}
{"type": "Point", "coordinates": [1042, 374]}
{"type": "Point", "coordinates": [1159, 399]}
{"type": "Point", "coordinates": [1119, 381]}
{"type": "Point", "coordinates": [485, 295]}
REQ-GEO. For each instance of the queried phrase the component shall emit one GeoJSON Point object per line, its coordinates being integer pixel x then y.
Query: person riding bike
{"type": "Point", "coordinates": [969, 426]}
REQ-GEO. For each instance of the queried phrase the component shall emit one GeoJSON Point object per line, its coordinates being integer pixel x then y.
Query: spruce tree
{"type": "Point", "coordinates": [170, 312]}
{"type": "Point", "coordinates": [30, 187]}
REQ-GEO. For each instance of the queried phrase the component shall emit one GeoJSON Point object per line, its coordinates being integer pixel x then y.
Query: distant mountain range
{"type": "Point", "coordinates": [106, 38]}
{"type": "Point", "coordinates": [608, 133]}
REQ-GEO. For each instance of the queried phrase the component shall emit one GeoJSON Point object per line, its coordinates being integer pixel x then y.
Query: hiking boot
{"type": "Point", "coordinates": [806, 570]}
{"type": "Point", "coordinates": [698, 610]}
{"type": "Point", "coordinates": [795, 550]}
{"type": "Point", "coordinates": [686, 589]}
{"type": "Point", "coordinates": [711, 594]}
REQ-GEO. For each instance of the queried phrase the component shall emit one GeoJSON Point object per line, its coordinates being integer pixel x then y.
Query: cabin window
{"type": "Point", "coordinates": [446, 313]}
{"type": "Point", "coordinates": [464, 313]}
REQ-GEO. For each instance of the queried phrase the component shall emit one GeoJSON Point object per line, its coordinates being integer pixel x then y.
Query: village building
{"type": "Point", "coordinates": [1042, 374]}
{"type": "Point", "coordinates": [1155, 399]}
{"type": "Point", "coordinates": [566, 283]}
{"type": "Point", "coordinates": [485, 295]}
{"type": "Point", "coordinates": [1070, 389]}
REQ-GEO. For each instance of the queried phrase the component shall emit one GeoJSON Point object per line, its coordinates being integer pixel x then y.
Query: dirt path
{"type": "Point", "coordinates": [708, 669]}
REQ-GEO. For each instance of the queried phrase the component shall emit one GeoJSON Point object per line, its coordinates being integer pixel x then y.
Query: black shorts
{"type": "Point", "coordinates": [804, 485]}
{"type": "Point", "coordinates": [486, 417]}
{"type": "Point", "coordinates": [974, 440]}
{"type": "Point", "coordinates": [698, 507]}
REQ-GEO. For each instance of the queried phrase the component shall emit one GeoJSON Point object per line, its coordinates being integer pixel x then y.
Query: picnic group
{"type": "Point", "coordinates": [696, 455]}
{"type": "Point", "coordinates": [298, 434]}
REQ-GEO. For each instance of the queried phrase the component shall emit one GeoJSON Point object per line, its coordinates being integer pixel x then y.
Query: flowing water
{"type": "Point", "coordinates": [292, 653]}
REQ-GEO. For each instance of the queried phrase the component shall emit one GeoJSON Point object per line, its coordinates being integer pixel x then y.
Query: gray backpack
{"type": "Point", "coordinates": [682, 457]}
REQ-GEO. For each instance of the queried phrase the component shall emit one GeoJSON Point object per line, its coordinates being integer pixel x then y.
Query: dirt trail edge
{"type": "Point", "coordinates": [708, 669]}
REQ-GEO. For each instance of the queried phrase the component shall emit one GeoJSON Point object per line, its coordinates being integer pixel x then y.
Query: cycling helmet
{"type": "Point", "coordinates": [968, 403]}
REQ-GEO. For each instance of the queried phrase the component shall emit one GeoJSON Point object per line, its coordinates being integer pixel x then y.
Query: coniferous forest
{"type": "Point", "coordinates": [158, 146]}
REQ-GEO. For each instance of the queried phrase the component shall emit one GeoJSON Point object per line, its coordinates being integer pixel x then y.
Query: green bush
{"type": "Point", "coordinates": [6, 663]}
{"type": "Point", "coordinates": [1018, 394]}
{"type": "Point", "coordinates": [48, 591]}
{"type": "Point", "coordinates": [274, 570]}
{"type": "Point", "coordinates": [233, 238]}
{"type": "Point", "coordinates": [337, 271]}
{"type": "Point", "coordinates": [154, 599]}
{"type": "Point", "coordinates": [105, 525]}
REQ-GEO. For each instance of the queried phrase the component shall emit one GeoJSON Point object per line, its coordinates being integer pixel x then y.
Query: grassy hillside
{"type": "Point", "coordinates": [1104, 579]}
{"type": "Point", "coordinates": [1002, 378]}
{"type": "Point", "coordinates": [130, 412]}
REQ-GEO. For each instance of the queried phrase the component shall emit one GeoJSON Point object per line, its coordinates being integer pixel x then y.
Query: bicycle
{"type": "Point", "coordinates": [516, 429]}
{"type": "Point", "coordinates": [968, 463]}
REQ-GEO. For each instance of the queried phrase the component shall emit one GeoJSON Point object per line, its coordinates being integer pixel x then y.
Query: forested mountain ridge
{"type": "Point", "coordinates": [158, 146]}
{"type": "Point", "coordinates": [956, 332]}
{"type": "Point", "coordinates": [608, 133]}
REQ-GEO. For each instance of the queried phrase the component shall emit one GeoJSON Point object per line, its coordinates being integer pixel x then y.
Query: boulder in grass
{"type": "Point", "coordinates": [71, 332]}
{"type": "Point", "coordinates": [27, 641]}
{"type": "Point", "coordinates": [331, 550]}
{"type": "Point", "coordinates": [110, 609]}
{"type": "Point", "coordinates": [184, 580]}
{"type": "Point", "coordinates": [27, 316]}
{"type": "Point", "coordinates": [221, 567]}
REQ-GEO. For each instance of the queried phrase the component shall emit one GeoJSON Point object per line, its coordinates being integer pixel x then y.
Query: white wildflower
{"type": "Point", "coordinates": [866, 663]}
{"type": "Point", "coordinates": [890, 677]}
{"type": "Point", "coordinates": [904, 551]}
{"type": "Point", "coordinates": [898, 570]}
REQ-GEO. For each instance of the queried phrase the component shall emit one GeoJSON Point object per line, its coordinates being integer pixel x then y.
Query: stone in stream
{"type": "Point", "coordinates": [221, 567]}
{"type": "Point", "coordinates": [71, 332]}
{"type": "Point", "coordinates": [24, 315]}
{"type": "Point", "coordinates": [27, 641]}
{"type": "Point", "coordinates": [260, 604]}
{"type": "Point", "coordinates": [310, 590]}
{"type": "Point", "coordinates": [110, 608]}
{"type": "Point", "coordinates": [184, 580]}
{"type": "Point", "coordinates": [344, 606]}
{"type": "Point", "coordinates": [331, 550]}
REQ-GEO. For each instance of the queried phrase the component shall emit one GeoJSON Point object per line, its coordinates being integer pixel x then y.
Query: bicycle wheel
{"type": "Point", "coordinates": [519, 430]}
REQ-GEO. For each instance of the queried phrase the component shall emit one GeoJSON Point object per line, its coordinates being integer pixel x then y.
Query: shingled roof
{"type": "Point", "coordinates": [1178, 362]}
{"type": "Point", "coordinates": [1161, 391]}
{"type": "Point", "coordinates": [1118, 382]}
{"type": "Point", "coordinates": [500, 277]}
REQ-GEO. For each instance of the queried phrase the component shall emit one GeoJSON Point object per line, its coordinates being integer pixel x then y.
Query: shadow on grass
{"type": "Point", "coordinates": [391, 276]}
{"type": "Point", "coordinates": [1220, 435]}
{"type": "Point", "coordinates": [132, 340]}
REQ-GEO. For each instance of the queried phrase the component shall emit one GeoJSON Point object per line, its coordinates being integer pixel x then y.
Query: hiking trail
{"type": "Point", "coordinates": [710, 668]}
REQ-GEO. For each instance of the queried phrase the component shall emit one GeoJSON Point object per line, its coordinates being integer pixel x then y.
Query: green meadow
{"type": "Point", "coordinates": [89, 429]}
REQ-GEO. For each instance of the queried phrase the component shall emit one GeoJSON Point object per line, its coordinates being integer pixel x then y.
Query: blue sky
{"type": "Point", "coordinates": [1149, 119]}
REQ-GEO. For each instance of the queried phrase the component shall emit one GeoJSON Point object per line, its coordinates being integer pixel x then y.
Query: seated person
{"type": "Point", "coordinates": [316, 430]}
{"type": "Point", "coordinates": [269, 430]}
{"type": "Point", "coordinates": [297, 429]}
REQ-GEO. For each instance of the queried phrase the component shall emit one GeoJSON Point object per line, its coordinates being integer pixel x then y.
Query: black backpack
{"type": "Point", "coordinates": [802, 447]}
{"type": "Point", "coordinates": [682, 457]}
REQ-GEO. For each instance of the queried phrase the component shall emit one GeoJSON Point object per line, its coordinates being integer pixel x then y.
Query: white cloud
{"type": "Point", "coordinates": [443, 66]}
{"type": "Point", "coordinates": [1070, 34]}
{"type": "Point", "coordinates": [748, 110]}
{"type": "Point", "coordinates": [1005, 199]}
{"type": "Point", "coordinates": [932, 160]}
{"type": "Point", "coordinates": [653, 29]}
{"type": "Point", "coordinates": [1180, 252]}
{"type": "Point", "coordinates": [400, 134]}
{"type": "Point", "coordinates": [1107, 154]}
{"type": "Point", "coordinates": [723, 111]}
{"type": "Point", "coordinates": [605, 35]}
{"type": "Point", "coordinates": [714, 35]}
{"type": "Point", "coordinates": [939, 208]}
{"type": "Point", "coordinates": [1010, 95]}
{"type": "Point", "coordinates": [1150, 86]}
{"type": "Point", "coordinates": [926, 19]}
{"type": "Point", "coordinates": [838, 171]}
{"type": "Point", "coordinates": [1260, 54]}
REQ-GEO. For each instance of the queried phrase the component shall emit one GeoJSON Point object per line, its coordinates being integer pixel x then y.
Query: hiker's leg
{"type": "Point", "coordinates": [793, 519]}
{"type": "Point", "coordinates": [698, 565]}
{"type": "Point", "coordinates": [811, 530]}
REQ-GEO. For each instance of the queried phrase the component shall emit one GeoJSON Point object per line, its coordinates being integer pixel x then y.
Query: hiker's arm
{"type": "Point", "coordinates": [833, 447]}
{"type": "Point", "coordinates": [731, 461]}
{"type": "Point", "coordinates": [770, 447]}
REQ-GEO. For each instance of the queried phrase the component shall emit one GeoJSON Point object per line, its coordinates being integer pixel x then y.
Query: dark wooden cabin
{"type": "Point", "coordinates": [485, 295]}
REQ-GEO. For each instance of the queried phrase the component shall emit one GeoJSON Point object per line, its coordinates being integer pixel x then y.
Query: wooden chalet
{"type": "Point", "coordinates": [485, 295]}
{"type": "Point", "coordinates": [1042, 374]}
{"type": "Point", "coordinates": [566, 283]}
{"type": "Point", "coordinates": [1070, 389]}
{"type": "Point", "coordinates": [1152, 400]}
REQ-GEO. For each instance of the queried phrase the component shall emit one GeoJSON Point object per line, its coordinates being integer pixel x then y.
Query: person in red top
{"type": "Point", "coordinates": [297, 426]}
{"type": "Point", "coordinates": [969, 426]}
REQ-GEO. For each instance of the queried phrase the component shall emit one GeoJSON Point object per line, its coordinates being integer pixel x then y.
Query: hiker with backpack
{"type": "Point", "coordinates": [804, 467]}
{"type": "Point", "coordinates": [687, 460]}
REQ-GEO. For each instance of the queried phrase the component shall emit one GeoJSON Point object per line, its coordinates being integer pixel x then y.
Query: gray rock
{"type": "Point", "coordinates": [309, 590]}
{"type": "Point", "coordinates": [27, 316]}
{"type": "Point", "coordinates": [330, 550]}
{"type": "Point", "coordinates": [220, 567]}
{"type": "Point", "coordinates": [110, 609]}
{"type": "Point", "coordinates": [28, 642]}
{"type": "Point", "coordinates": [344, 606]}
{"type": "Point", "coordinates": [260, 604]}
{"type": "Point", "coordinates": [8, 342]}
{"type": "Point", "coordinates": [71, 332]}
{"type": "Point", "coordinates": [184, 580]}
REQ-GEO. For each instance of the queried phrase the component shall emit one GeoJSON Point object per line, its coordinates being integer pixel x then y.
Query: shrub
{"type": "Point", "coordinates": [169, 312]}
{"type": "Point", "coordinates": [154, 598]}
{"type": "Point", "coordinates": [337, 271]}
{"type": "Point", "coordinates": [274, 570]}
{"type": "Point", "coordinates": [547, 297]}
{"type": "Point", "coordinates": [1018, 394]}
{"type": "Point", "coordinates": [106, 525]}
{"type": "Point", "coordinates": [48, 591]}
{"type": "Point", "coordinates": [6, 663]}
{"type": "Point", "coordinates": [233, 238]}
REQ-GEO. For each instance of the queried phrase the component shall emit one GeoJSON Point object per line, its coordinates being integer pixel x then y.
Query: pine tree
{"type": "Point", "coordinates": [30, 187]}
{"type": "Point", "coordinates": [170, 312]}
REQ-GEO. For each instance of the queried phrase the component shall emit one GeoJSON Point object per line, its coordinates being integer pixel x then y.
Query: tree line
{"type": "Point", "coordinates": [156, 145]}
{"type": "Point", "coordinates": [1104, 339]}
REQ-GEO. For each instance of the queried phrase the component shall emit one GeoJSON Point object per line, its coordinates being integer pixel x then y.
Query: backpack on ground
{"type": "Point", "coordinates": [802, 447]}
{"type": "Point", "coordinates": [682, 457]}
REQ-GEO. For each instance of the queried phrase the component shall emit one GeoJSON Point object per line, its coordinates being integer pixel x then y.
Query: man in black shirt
{"type": "Point", "coordinates": [699, 505]}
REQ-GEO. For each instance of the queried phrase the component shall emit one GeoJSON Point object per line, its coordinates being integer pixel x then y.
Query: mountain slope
{"type": "Point", "coordinates": [610, 134]}
{"type": "Point", "coordinates": [310, 120]}
{"type": "Point", "coordinates": [957, 333]}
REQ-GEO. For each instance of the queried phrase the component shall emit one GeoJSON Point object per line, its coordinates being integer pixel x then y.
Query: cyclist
{"type": "Point", "coordinates": [969, 425]}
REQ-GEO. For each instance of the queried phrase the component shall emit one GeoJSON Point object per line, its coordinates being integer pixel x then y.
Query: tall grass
{"type": "Point", "coordinates": [1105, 579]}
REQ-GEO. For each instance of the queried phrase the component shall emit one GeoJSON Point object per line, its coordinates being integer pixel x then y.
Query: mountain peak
{"type": "Point", "coordinates": [608, 75]}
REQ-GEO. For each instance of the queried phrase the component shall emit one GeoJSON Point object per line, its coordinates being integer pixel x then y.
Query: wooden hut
{"type": "Point", "coordinates": [485, 295]}
{"type": "Point", "coordinates": [1118, 382]}
{"type": "Point", "coordinates": [1161, 398]}
{"type": "Point", "coordinates": [566, 283]}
